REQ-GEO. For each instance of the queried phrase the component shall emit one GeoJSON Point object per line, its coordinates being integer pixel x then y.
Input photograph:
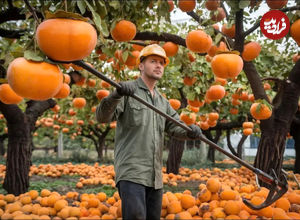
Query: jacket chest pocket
{"type": "Point", "coordinates": [138, 114]}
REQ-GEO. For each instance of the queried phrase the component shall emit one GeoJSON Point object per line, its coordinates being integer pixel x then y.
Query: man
{"type": "Point", "coordinates": [139, 136]}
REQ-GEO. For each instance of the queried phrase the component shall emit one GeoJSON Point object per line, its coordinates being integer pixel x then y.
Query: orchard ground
{"type": "Point", "coordinates": [192, 159]}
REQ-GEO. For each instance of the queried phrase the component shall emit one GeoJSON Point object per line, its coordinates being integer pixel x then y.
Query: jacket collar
{"type": "Point", "coordinates": [142, 85]}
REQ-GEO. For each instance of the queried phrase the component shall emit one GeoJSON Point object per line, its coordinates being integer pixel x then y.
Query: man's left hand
{"type": "Point", "coordinates": [195, 132]}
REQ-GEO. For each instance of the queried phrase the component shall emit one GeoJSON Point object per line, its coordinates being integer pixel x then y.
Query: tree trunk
{"type": "Point", "coordinates": [2, 148]}
{"type": "Point", "coordinates": [273, 139]}
{"type": "Point", "coordinates": [270, 152]}
{"type": "Point", "coordinates": [176, 148]}
{"type": "Point", "coordinates": [211, 150]}
{"type": "Point", "coordinates": [18, 156]}
{"type": "Point", "coordinates": [240, 146]}
{"type": "Point", "coordinates": [295, 132]}
{"type": "Point", "coordinates": [100, 147]}
{"type": "Point", "coordinates": [20, 126]}
{"type": "Point", "coordinates": [297, 150]}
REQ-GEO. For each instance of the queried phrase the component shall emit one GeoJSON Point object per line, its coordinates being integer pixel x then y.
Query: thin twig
{"type": "Point", "coordinates": [31, 9]}
{"type": "Point", "coordinates": [272, 79]}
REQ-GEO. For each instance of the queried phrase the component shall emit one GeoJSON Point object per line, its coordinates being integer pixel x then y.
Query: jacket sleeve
{"type": "Point", "coordinates": [172, 128]}
{"type": "Point", "coordinates": [110, 108]}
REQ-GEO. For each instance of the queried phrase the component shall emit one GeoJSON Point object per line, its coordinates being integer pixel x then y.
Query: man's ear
{"type": "Point", "coordinates": [141, 66]}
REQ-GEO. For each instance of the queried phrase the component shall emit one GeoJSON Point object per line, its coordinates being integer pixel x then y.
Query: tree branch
{"type": "Point", "coordinates": [218, 135]}
{"type": "Point", "coordinates": [138, 43]}
{"type": "Point", "coordinates": [195, 16]}
{"type": "Point", "coordinates": [254, 80]}
{"type": "Point", "coordinates": [258, 90]}
{"type": "Point", "coordinates": [11, 33]}
{"type": "Point", "coordinates": [11, 14]}
{"type": "Point", "coordinates": [147, 35]}
{"type": "Point", "coordinates": [229, 145]}
{"type": "Point", "coordinates": [32, 10]}
{"type": "Point", "coordinates": [10, 4]}
{"type": "Point", "coordinates": [9, 112]}
{"type": "Point", "coordinates": [272, 78]}
{"type": "Point", "coordinates": [96, 132]}
{"type": "Point", "coordinates": [182, 98]}
{"type": "Point", "coordinates": [105, 132]}
{"type": "Point", "coordinates": [239, 29]}
{"type": "Point", "coordinates": [36, 108]}
{"type": "Point", "coordinates": [240, 146]}
{"type": "Point", "coordinates": [228, 125]}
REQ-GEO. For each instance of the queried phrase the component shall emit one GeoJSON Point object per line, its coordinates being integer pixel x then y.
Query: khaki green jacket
{"type": "Point", "coordinates": [139, 136]}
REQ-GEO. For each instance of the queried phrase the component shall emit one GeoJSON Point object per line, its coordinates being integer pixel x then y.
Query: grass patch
{"type": "Point", "coordinates": [63, 185]}
{"type": "Point", "coordinates": [107, 189]}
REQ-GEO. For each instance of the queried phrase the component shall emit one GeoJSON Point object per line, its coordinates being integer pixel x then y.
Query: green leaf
{"type": "Point", "coordinates": [125, 55]}
{"type": "Point", "coordinates": [244, 3]}
{"type": "Point", "coordinates": [34, 56]}
{"type": "Point", "coordinates": [64, 14]}
{"type": "Point", "coordinates": [101, 9]}
{"type": "Point", "coordinates": [190, 96]}
{"type": "Point", "coordinates": [218, 38]}
{"type": "Point", "coordinates": [82, 6]}
{"type": "Point", "coordinates": [114, 4]}
{"type": "Point", "coordinates": [101, 25]}
{"type": "Point", "coordinates": [105, 30]}
{"type": "Point", "coordinates": [17, 51]}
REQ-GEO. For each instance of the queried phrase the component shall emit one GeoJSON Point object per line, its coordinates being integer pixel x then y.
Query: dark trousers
{"type": "Point", "coordinates": [139, 201]}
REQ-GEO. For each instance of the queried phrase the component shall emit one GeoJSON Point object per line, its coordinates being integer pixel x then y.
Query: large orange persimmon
{"type": "Point", "coordinates": [295, 33]}
{"type": "Point", "coordinates": [66, 39]}
{"type": "Point", "coordinates": [260, 111]}
{"type": "Point", "coordinates": [188, 118]}
{"type": "Point", "coordinates": [198, 41]}
{"type": "Point", "coordinates": [186, 5]}
{"type": "Point", "coordinates": [79, 102]}
{"type": "Point", "coordinates": [63, 92]}
{"type": "Point", "coordinates": [170, 48]}
{"type": "Point", "coordinates": [276, 4]}
{"type": "Point", "coordinates": [251, 51]}
{"type": "Point", "coordinates": [215, 92]}
{"type": "Point", "coordinates": [34, 80]}
{"type": "Point", "coordinates": [123, 31]}
{"type": "Point", "coordinates": [227, 65]}
{"type": "Point", "coordinates": [8, 96]}
{"type": "Point", "coordinates": [175, 103]}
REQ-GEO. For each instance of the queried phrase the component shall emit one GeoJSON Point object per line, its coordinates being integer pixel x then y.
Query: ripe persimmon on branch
{"type": "Point", "coordinates": [199, 20]}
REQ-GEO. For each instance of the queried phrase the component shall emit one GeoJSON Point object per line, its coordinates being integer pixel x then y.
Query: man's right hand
{"type": "Point", "coordinates": [127, 88]}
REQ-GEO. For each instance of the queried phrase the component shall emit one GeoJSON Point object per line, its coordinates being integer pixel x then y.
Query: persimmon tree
{"type": "Point", "coordinates": [193, 75]}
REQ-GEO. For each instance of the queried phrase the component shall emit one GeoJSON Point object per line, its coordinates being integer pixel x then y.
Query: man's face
{"type": "Point", "coordinates": [153, 67]}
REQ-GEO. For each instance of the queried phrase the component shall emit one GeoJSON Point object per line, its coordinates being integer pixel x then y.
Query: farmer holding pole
{"type": "Point", "coordinates": [140, 136]}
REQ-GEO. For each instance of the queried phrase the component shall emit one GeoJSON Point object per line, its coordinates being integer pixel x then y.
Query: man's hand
{"type": "Point", "coordinates": [127, 88]}
{"type": "Point", "coordinates": [195, 132]}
